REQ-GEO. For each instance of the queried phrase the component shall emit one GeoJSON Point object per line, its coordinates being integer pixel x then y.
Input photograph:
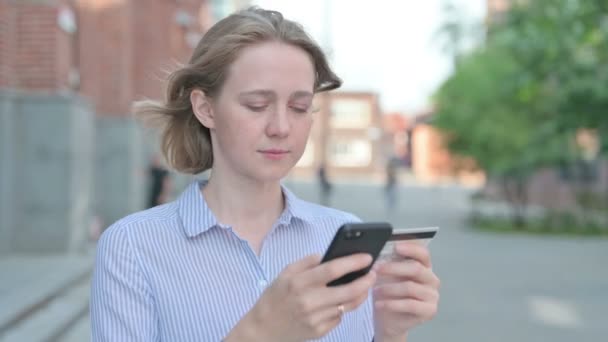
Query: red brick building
{"type": "Point", "coordinates": [109, 51]}
{"type": "Point", "coordinates": [422, 149]}
{"type": "Point", "coordinates": [347, 136]}
{"type": "Point", "coordinates": [433, 163]}
{"type": "Point", "coordinates": [497, 7]}
{"type": "Point", "coordinates": [35, 53]}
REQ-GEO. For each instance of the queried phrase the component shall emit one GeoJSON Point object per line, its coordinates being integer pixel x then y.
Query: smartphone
{"type": "Point", "coordinates": [353, 238]}
{"type": "Point", "coordinates": [420, 235]}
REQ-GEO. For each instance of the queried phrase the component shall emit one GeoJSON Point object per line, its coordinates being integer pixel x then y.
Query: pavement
{"type": "Point", "coordinates": [495, 287]}
{"type": "Point", "coordinates": [43, 296]}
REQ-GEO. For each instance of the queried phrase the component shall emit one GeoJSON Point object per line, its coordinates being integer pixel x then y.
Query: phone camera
{"type": "Point", "coordinates": [353, 235]}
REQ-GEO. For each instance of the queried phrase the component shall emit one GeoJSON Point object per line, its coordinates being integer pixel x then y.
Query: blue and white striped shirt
{"type": "Point", "coordinates": [174, 273]}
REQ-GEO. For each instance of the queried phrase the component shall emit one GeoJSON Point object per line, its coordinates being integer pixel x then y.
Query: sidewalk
{"type": "Point", "coordinates": [404, 179]}
{"type": "Point", "coordinates": [42, 296]}
{"type": "Point", "coordinates": [503, 210]}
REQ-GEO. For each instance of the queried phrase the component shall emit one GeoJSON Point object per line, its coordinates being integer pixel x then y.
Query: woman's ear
{"type": "Point", "coordinates": [201, 106]}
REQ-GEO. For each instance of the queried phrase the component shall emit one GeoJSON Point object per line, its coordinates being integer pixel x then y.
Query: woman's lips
{"type": "Point", "coordinates": [274, 154]}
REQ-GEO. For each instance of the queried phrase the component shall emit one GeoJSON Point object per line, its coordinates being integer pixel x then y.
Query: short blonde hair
{"type": "Point", "coordinates": [185, 142]}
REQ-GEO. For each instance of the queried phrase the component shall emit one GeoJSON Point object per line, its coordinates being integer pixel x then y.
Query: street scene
{"type": "Point", "coordinates": [485, 118]}
{"type": "Point", "coordinates": [495, 287]}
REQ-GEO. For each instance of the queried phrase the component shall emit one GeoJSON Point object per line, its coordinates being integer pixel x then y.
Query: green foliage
{"type": "Point", "coordinates": [515, 103]}
{"type": "Point", "coordinates": [561, 44]}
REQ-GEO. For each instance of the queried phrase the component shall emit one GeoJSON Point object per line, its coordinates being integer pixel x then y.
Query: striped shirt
{"type": "Point", "coordinates": [174, 273]}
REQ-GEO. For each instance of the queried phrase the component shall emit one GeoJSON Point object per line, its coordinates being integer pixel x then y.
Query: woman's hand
{"type": "Point", "coordinates": [407, 293]}
{"type": "Point", "coordinates": [300, 306]}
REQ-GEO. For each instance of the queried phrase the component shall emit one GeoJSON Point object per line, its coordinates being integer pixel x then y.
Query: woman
{"type": "Point", "coordinates": [237, 258]}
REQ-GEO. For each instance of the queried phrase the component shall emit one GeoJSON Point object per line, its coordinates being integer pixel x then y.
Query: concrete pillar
{"type": "Point", "coordinates": [120, 175]}
{"type": "Point", "coordinates": [47, 168]}
{"type": "Point", "coordinates": [7, 205]}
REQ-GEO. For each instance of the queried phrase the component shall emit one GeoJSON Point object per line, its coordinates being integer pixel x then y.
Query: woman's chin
{"type": "Point", "coordinates": [273, 175]}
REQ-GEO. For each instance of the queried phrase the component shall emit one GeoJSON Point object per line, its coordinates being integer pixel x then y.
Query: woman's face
{"type": "Point", "coordinates": [262, 116]}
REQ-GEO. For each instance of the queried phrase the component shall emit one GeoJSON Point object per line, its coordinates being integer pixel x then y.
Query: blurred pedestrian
{"type": "Point", "coordinates": [390, 186]}
{"type": "Point", "coordinates": [236, 258]}
{"type": "Point", "coordinates": [160, 184]}
{"type": "Point", "coordinates": [324, 185]}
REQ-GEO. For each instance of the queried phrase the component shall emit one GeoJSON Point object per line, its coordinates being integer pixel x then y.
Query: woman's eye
{"type": "Point", "coordinates": [256, 108]}
{"type": "Point", "coordinates": [301, 110]}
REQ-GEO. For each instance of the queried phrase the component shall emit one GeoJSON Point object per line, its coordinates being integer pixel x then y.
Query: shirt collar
{"type": "Point", "coordinates": [194, 212]}
{"type": "Point", "coordinates": [198, 218]}
{"type": "Point", "coordinates": [294, 207]}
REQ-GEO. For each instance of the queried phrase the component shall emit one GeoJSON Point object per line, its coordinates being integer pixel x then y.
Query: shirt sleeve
{"type": "Point", "coordinates": [122, 305]}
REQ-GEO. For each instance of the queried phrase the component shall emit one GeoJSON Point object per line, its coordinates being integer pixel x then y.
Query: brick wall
{"type": "Point", "coordinates": [160, 41]}
{"type": "Point", "coordinates": [35, 54]}
{"type": "Point", "coordinates": [127, 44]}
{"type": "Point", "coordinates": [432, 162]}
{"type": "Point", "coordinates": [120, 49]}
{"type": "Point", "coordinates": [105, 52]}
{"type": "Point", "coordinates": [5, 34]}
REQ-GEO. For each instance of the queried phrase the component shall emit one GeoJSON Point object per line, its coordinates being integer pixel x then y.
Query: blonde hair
{"type": "Point", "coordinates": [185, 142]}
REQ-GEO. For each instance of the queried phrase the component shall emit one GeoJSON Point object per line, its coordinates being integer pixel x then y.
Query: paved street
{"type": "Point", "coordinates": [495, 288]}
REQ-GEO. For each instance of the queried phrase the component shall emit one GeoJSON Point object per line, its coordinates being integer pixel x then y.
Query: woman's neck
{"type": "Point", "coordinates": [246, 205]}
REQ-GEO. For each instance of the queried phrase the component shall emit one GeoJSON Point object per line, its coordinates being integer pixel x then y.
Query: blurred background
{"type": "Point", "coordinates": [487, 118]}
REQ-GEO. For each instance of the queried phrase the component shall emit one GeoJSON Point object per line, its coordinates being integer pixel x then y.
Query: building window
{"type": "Point", "coordinates": [350, 153]}
{"type": "Point", "coordinates": [350, 113]}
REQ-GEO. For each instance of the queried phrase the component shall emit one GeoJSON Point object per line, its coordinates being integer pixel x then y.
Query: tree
{"type": "Point", "coordinates": [516, 103]}
{"type": "Point", "coordinates": [456, 33]}
{"type": "Point", "coordinates": [489, 121]}
{"type": "Point", "coordinates": [562, 45]}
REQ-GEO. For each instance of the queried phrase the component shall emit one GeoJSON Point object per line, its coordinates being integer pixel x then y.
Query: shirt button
{"type": "Point", "coordinates": [262, 283]}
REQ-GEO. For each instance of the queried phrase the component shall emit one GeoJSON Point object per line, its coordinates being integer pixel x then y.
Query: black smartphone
{"type": "Point", "coordinates": [353, 238]}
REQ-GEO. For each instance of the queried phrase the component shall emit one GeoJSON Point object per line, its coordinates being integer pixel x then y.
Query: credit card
{"type": "Point", "coordinates": [422, 235]}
